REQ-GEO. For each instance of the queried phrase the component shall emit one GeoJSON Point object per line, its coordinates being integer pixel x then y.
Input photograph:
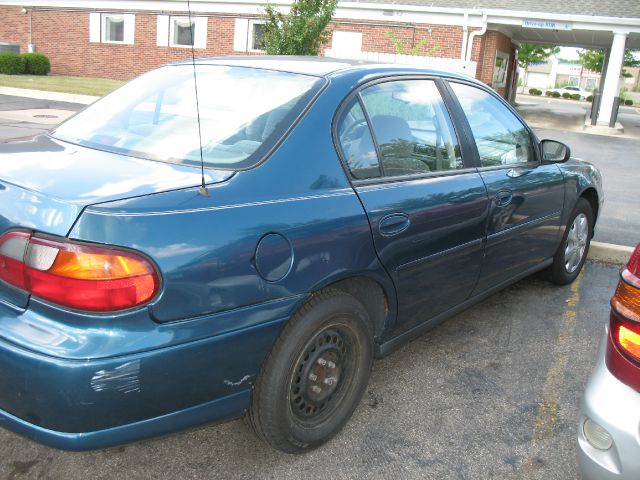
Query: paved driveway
{"type": "Point", "coordinates": [22, 117]}
{"type": "Point", "coordinates": [619, 161]}
{"type": "Point", "coordinates": [493, 393]}
{"type": "Point", "coordinates": [569, 115]}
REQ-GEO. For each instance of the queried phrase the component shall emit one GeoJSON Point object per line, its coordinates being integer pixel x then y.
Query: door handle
{"type": "Point", "coordinates": [394, 224]}
{"type": "Point", "coordinates": [503, 198]}
{"type": "Point", "coordinates": [517, 172]}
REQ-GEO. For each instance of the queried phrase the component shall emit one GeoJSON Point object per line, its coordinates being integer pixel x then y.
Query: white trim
{"type": "Point", "coordinates": [240, 35]}
{"type": "Point", "coordinates": [95, 20]}
{"type": "Point", "coordinates": [129, 28]}
{"type": "Point", "coordinates": [200, 27]}
{"type": "Point", "coordinates": [162, 31]}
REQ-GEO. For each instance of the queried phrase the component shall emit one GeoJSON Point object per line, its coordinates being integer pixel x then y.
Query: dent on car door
{"type": "Point", "coordinates": [426, 209]}
{"type": "Point", "coordinates": [526, 195]}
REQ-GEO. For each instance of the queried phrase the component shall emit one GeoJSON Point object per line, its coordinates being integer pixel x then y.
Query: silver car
{"type": "Point", "coordinates": [609, 429]}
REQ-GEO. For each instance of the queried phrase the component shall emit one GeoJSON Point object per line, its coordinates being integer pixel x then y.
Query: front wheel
{"type": "Point", "coordinates": [315, 375]}
{"type": "Point", "coordinates": [573, 250]}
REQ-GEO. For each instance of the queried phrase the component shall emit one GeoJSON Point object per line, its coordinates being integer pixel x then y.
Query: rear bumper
{"type": "Point", "coordinates": [94, 403]}
{"type": "Point", "coordinates": [215, 411]}
{"type": "Point", "coordinates": [615, 407]}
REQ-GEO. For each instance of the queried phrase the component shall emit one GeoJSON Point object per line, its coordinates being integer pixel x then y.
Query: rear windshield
{"type": "Point", "coordinates": [243, 114]}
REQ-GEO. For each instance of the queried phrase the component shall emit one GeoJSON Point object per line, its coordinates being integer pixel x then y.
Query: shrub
{"type": "Point", "coordinates": [575, 96]}
{"type": "Point", "coordinates": [628, 101]}
{"type": "Point", "coordinates": [548, 93]}
{"type": "Point", "coordinates": [556, 94]}
{"type": "Point", "coordinates": [566, 95]}
{"type": "Point", "coordinates": [535, 91]}
{"type": "Point", "coordinates": [36, 64]}
{"type": "Point", "coordinates": [590, 98]}
{"type": "Point", "coordinates": [11, 63]}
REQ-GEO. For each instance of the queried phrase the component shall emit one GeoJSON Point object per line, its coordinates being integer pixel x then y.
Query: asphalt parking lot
{"type": "Point", "coordinates": [493, 393]}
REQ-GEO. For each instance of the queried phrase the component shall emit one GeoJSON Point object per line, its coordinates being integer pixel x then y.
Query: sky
{"type": "Point", "coordinates": [568, 53]}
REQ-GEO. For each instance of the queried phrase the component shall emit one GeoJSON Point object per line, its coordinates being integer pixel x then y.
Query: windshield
{"type": "Point", "coordinates": [243, 113]}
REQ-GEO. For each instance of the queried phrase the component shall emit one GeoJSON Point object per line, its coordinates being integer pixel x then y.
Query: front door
{"type": "Point", "coordinates": [426, 208]}
{"type": "Point", "coordinates": [526, 196]}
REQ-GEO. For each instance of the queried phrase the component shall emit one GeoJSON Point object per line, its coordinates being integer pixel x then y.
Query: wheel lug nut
{"type": "Point", "coordinates": [313, 377]}
{"type": "Point", "coordinates": [316, 389]}
{"type": "Point", "coordinates": [330, 364]}
{"type": "Point", "coordinates": [322, 361]}
{"type": "Point", "coordinates": [329, 381]}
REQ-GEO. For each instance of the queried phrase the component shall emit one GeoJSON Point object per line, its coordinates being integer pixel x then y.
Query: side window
{"type": "Point", "coordinates": [356, 143]}
{"type": "Point", "coordinates": [500, 137]}
{"type": "Point", "coordinates": [412, 127]}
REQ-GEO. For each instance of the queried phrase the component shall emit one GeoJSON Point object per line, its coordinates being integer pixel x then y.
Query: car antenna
{"type": "Point", "coordinates": [203, 188]}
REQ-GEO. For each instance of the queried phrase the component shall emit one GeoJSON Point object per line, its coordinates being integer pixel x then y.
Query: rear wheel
{"type": "Point", "coordinates": [315, 375]}
{"type": "Point", "coordinates": [572, 253]}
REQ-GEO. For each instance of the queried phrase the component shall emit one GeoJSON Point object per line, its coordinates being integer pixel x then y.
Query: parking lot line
{"type": "Point", "coordinates": [549, 405]}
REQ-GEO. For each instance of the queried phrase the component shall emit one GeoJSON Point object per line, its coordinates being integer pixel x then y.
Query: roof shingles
{"type": "Point", "coordinates": [610, 8]}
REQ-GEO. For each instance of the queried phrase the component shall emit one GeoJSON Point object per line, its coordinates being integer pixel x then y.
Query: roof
{"type": "Point", "coordinates": [610, 8]}
{"type": "Point", "coordinates": [321, 66]}
{"type": "Point", "coordinates": [295, 64]}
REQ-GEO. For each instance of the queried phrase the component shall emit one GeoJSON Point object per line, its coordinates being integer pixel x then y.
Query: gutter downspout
{"type": "Point", "coordinates": [474, 34]}
{"type": "Point", "coordinates": [465, 36]}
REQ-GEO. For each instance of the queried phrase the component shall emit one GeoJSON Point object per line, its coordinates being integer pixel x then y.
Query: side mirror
{"type": "Point", "coordinates": [555, 152]}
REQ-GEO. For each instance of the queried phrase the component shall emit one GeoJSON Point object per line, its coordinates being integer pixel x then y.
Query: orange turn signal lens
{"type": "Point", "coordinates": [626, 300]}
{"type": "Point", "coordinates": [96, 266]}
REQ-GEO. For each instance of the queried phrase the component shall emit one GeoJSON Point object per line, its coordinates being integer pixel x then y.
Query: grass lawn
{"type": "Point", "coordinates": [80, 85]}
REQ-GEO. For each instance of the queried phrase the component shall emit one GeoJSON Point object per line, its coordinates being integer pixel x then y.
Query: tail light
{"type": "Point", "coordinates": [623, 350]}
{"type": "Point", "coordinates": [75, 275]}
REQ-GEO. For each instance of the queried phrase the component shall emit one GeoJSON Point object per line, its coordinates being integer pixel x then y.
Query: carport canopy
{"type": "Point", "coordinates": [613, 26]}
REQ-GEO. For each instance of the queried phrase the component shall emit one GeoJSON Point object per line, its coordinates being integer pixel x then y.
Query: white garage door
{"type": "Point", "coordinates": [537, 80]}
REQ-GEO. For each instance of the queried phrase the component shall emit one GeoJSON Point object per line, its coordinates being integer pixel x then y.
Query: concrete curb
{"type": "Point", "coordinates": [609, 253]}
{"type": "Point", "coordinates": [45, 95]}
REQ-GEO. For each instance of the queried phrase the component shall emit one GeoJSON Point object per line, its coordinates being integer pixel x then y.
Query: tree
{"type": "Point", "coordinates": [301, 31]}
{"type": "Point", "coordinates": [529, 54]}
{"type": "Point", "coordinates": [401, 48]}
{"type": "Point", "coordinates": [594, 60]}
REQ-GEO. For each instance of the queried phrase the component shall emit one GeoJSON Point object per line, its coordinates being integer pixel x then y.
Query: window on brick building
{"type": "Point", "coordinates": [256, 36]}
{"type": "Point", "coordinates": [248, 35]}
{"type": "Point", "coordinates": [112, 28]}
{"type": "Point", "coordinates": [182, 31]}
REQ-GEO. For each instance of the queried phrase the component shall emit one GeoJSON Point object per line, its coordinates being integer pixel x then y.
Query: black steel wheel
{"type": "Point", "coordinates": [315, 375]}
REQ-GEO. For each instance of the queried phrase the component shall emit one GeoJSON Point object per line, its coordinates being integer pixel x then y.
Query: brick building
{"type": "Point", "coordinates": [123, 38]}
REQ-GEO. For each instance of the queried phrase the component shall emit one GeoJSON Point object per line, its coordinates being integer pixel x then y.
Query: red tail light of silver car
{"type": "Point", "coordinates": [623, 348]}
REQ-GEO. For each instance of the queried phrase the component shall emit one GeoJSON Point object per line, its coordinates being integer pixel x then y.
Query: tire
{"type": "Point", "coordinates": [573, 250]}
{"type": "Point", "coordinates": [316, 374]}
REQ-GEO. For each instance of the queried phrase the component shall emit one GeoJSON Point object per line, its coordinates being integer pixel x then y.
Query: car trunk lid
{"type": "Point", "coordinates": [45, 184]}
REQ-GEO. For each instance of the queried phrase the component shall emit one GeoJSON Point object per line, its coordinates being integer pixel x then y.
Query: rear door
{"type": "Point", "coordinates": [427, 208]}
{"type": "Point", "coordinates": [526, 196]}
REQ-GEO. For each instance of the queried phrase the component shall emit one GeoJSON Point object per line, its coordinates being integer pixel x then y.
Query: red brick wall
{"type": "Point", "coordinates": [64, 38]}
{"type": "Point", "coordinates": [63, 35]}
{"type": "Point", "coordinates": [375, 39]}
{"type": "Point", "coordinates": [14, 27]}
{"type": "Point", "coordinates": [484, 52]}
